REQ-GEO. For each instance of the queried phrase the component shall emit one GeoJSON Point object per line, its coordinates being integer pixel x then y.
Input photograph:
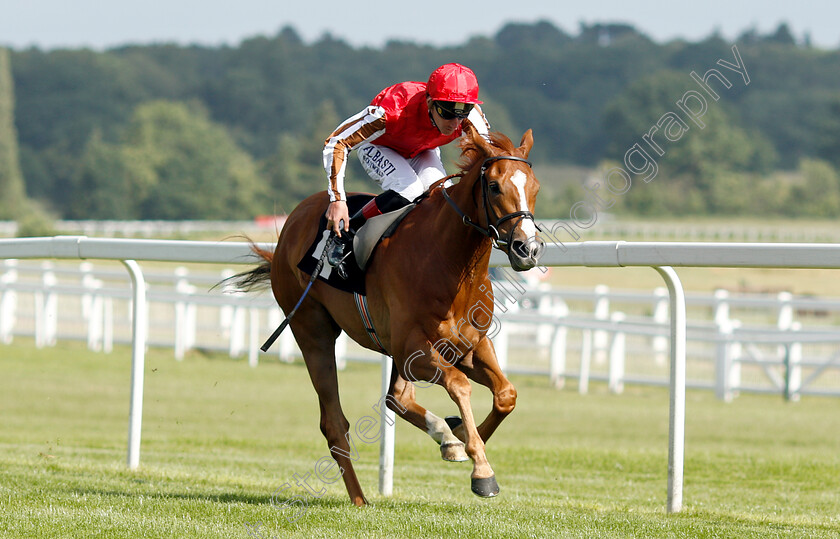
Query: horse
{"type": "Point", "coordinates": [429, 296]}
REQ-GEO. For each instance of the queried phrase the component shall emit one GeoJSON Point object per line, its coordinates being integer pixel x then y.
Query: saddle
{"type": "Point", "coordinates": [373, 231]}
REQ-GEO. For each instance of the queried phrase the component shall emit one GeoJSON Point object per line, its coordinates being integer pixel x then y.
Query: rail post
{"type": "Point", "coordinates": [616, 354]}
{"type": "Point", "coordinates": [387, 424]}
{"type": "Point", "coordinates": [676, 421]}
{"type": "Point", "coordinates": [138, 361]}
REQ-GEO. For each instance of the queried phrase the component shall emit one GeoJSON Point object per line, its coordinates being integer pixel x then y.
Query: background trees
{"type": "Point", "coordinates": [165, 131]}
{"type": "Point", "coordinates": [709, 170]}
{"type": "Point", "coordinates": [14, 204]}
{"type": "Point", "coordinates": [172, 162]}
{"type": "Point", "coordinates": [11, 179]}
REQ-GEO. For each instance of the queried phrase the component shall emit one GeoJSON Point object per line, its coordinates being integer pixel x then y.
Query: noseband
{"type": "Point", "coordinates": [492, 231]}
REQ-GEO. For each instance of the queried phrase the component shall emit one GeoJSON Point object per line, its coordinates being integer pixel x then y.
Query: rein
{"type": "Point", "coordinates": [491, 231]}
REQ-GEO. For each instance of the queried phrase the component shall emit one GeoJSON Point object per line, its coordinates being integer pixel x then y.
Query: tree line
{"type": "Point", "coordinates": [191, 132]}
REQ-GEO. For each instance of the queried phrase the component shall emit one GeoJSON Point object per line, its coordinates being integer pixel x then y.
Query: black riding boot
{"type": "Point", "coordinates": [336, 254]}
{"type": "Point", "coordinates": [382, 203]}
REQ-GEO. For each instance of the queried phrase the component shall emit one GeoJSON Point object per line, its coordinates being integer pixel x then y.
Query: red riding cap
{"type": "Point", "coordinates": [453, 82]}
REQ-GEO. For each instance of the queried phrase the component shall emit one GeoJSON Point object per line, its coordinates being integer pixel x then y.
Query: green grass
{"type": "Point", "coordinates": [220, 437]}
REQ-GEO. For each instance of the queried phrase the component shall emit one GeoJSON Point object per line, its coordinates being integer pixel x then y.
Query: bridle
{"type": "Point", "coordinates": [492, 231]}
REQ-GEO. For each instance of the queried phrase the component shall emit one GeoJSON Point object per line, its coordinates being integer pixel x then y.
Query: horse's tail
{"type": "Point", "coordinates": [257, 278]}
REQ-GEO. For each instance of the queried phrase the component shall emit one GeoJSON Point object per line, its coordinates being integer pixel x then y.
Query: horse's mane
{"type": "Point", "coordinates": [471, 152]}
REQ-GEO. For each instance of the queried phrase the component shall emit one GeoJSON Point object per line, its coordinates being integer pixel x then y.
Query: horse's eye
{"type": "Point", "coordinates": [494, 188]}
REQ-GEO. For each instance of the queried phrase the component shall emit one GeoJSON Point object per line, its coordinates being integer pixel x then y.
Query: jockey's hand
{"type": "Point", "coordinates": [336, 213]}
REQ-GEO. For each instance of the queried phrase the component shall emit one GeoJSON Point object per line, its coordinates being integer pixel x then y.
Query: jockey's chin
{"type": "Point", "coordinates": [447, 127]}
{"type": "Point", "coordinates": [447, 131]}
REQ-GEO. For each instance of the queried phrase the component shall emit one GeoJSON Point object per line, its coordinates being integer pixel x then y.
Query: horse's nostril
{"type": "Point", "coordinates": [528, 249]}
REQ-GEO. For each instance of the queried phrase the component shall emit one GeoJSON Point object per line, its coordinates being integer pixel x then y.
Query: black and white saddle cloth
{"type": "Point", "coordinates": [364, 244]}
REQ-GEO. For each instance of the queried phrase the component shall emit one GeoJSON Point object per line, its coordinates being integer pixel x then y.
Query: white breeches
{"type": "Point", "coordinates": [408, 177]}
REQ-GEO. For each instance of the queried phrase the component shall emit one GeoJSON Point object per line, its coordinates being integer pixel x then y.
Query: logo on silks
{"type": "Point", "coordinates": [376, 161]}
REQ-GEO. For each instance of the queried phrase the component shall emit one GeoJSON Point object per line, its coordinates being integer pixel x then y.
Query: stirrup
{"type": "Point", "coordinates": [335, 250]}
{"type": "Point", "coordinates": [336, 255]}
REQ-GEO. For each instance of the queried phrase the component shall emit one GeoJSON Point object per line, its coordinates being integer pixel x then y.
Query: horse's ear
{"type": "Point", "coordinates": [526, 143]}
{"type": "Point", "coordinates": [479, 140]}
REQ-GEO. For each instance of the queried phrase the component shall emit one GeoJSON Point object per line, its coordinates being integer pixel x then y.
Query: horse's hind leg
{"type": "Point", "coordinates": [316, 332]}
{"type": "Point", "coordinates": [451, 448]}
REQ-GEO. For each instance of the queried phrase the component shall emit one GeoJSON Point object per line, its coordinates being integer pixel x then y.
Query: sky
{"type": "Point", "coordinates": [100, 24]}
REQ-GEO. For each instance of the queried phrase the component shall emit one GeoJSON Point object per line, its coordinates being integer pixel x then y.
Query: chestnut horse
{"type": "Point", "coordinates": [429, 296]}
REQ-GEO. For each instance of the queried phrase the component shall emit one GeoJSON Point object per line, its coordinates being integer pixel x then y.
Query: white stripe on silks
{"type": "Point", "coordinates": [354, 123]}
{"type": "Point", "coordinates": [370, 115]}
{"type": "Point", "coordinates": [479, 121]}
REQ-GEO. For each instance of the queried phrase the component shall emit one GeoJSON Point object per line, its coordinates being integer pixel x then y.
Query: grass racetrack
{"type": "Point", "coordinates": [219, 438]}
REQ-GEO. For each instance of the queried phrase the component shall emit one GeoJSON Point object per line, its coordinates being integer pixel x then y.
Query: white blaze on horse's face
{"type": "Point", "coordinates": [520, 179]}
{"type": "Point", "coordinates": [525, 248]}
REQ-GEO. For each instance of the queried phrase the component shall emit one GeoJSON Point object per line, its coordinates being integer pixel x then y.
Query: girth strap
{"type": "Point", "coordinates": [367, 321]}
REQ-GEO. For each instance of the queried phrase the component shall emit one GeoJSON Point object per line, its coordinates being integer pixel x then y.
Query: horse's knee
{"type": "Point", "coordinates": [401, 397]}
{"type": "Point", "coordinates": [505, 400]}
{"type": "Point", "coordinates": [397, 405]}
{"type": "Point", "coordinates": [403, 391]}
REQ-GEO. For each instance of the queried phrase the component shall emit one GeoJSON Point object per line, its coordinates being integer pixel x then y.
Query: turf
{"type": "Point", "coordinates": [220, 437]}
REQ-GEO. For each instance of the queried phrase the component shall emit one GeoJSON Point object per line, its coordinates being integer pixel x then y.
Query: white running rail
{"type": "Point", "coordinates": [662, 256]}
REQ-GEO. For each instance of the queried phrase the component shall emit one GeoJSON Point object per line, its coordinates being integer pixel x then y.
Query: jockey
{"type": "Point", "coordinates": [398, 138]}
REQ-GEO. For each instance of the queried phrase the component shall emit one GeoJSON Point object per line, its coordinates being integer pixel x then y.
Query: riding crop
{"type": "Point", "coordinates": [312, 278]}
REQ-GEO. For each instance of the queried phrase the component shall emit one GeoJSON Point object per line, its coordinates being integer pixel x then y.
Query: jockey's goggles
{"type": "Point", "coordinates": [449, 110]}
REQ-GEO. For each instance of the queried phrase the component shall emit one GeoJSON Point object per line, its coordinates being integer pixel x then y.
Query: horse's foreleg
{"type": "Point", "coordinates": [315, 332]}
{"type": "Point", "coordinates": [451, 448]}
{"type": "Point", "coordinates": [459, 389]}
{"type": "Point", "coordinates": [485, 371]}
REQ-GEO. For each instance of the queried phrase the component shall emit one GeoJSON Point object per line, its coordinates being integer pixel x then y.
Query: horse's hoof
{"type": "Point", "coordinates": [486, 487]}
{"type": "Point", "coordinates": [453, 452]}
